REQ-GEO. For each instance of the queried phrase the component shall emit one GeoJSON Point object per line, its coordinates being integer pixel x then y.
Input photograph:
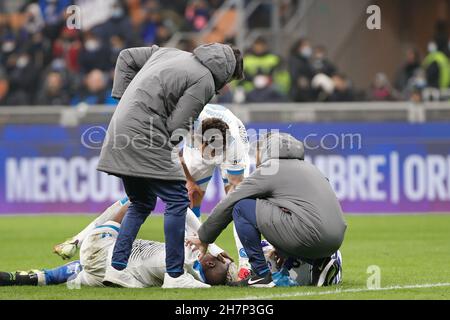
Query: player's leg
{"type": "Point", "coordinates": [67, 249]}
{"type": "Point", "coordinates": [117, 208]}
{"type": "Point", "coordinates": [244, 216]}
{"type": "Point", "coordinates": [174, 195]}
{"type": "Point", "coordinates": [44, 277]}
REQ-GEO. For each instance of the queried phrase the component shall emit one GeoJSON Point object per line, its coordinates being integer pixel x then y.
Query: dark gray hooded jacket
{"type": "Point", "coordinates": [311, 223]}
{"type": "Point", "coordinates": [161, 90]}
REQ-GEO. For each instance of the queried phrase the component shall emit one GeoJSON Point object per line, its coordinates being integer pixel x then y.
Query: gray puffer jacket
{"type": "Point", "coordinates": [160, 90]}
{"type": "Point", "coordinates": [296, 210]}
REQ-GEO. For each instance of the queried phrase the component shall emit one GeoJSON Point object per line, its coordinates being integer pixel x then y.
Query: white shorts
{"type": "Point", "coordinates": [202, 171]}
{"type": "Point", "coordinates": [95, 253]}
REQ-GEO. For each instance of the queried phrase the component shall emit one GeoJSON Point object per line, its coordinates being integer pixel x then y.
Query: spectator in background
{"type": "Point", "coordinates": [34, 21]}
{"type": "Point", "coordinates": [320, 62]}
{"type": "Point", "coordinates": [15, 36]}
{"type": "Point", "coordinates": [12, 6]}
{"type": "Point", "coordinates": [259, 61]}
{"type": "Point", "coordinates": [151, 23]}
{"type": "Point", "coordinates": [53, 13]}
{"type": "Point", "coordinates": [437, 66]}
{"type": "Point", "coordinates": [163, 35]}
{"type": "Point", "coordinates": [53, 92]}
{"type": "Point", "coordinates": [22, 79]}
{"type": "Point", "coordinates": [415, 86]}
{"type": "Point", "coordinates": [9, 46]}
{"type": "Point", "coordinates": [68, 47]}
{"type": "Point", "coordinates": [117, 44]}
{"type": "Point", "coordinates": [94, 90]}
{"type": "Point", "coordinates": [323, 86]}
{"type": "Point", "coordinates": [381, 89]}
{"type": "Point", "coordinates": [94, 54]}
{"type": "Point", "coordinates": [301, 71]}
{"type": "Point", "coordinates": [263, 90]}
{"type": "Point", "coordinates": [408, 70]}
{"type": "Point", "coordinates": [342, 89]}
{"type": "Point", "coordinates": [118, 25]}
{"type": "Point", "coordinates": [197, 14]}
{"type": "Point", "coordinates": [4, 88]}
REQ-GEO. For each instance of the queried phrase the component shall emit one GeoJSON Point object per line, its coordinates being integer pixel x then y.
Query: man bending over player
{"type": "Point", "coordinates": [291, 204]}
{"type": "Point", "coordinates": [147, 260]}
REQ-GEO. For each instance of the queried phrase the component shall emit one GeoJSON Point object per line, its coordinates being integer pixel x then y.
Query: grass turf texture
{"type": "Point", "coordinates": [410, 250]}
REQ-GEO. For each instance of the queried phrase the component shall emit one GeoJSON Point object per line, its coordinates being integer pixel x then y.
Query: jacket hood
{"type": "Point", "coordinates": [281, 146]}
{"type": "Point", "coordinates": [219, 59]}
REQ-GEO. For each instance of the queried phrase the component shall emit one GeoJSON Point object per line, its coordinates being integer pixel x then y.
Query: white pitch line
{"type": "Point", "coordinates": [339, 291]}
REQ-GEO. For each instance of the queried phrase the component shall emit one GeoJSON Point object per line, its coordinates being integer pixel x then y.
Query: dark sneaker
{"type": "Point", "coordinates": [255, 281]}
{"type": "Point", "coordinates": [324, 272]}
{"type": "Point", "coordinates": [19, 278]}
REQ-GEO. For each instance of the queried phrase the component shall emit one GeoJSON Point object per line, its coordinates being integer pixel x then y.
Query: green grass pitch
{"type": "Point", "coordinates": [412, 252]}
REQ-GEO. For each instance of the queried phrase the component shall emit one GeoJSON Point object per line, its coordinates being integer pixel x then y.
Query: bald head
{"type": "Point", "coordinates": [215, 270]}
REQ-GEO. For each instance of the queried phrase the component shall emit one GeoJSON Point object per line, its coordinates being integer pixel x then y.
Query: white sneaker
{"type": "Point", "coordinates": [186, 280]}
{"type": "Point", "coordinates": [67, 249]}
{"type": "Point", "coordinates": [120, 278]}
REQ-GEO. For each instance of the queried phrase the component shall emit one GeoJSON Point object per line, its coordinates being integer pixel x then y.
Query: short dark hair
{"type": "Point", "coordinates": [214, 124]}
{"type": "Point", "coordinates": [238, 73]}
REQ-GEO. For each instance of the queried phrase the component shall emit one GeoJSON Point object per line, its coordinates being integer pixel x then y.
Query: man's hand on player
{"type": "Point", "coordinates": [195, 193]}
{"type": "Point", "coordinates": [199, 245]}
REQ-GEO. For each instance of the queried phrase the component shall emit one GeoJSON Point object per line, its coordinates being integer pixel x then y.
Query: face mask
{"type": "Point", "coordinates": [92, 45]}
{"type": "Point", "coordinates": [432, 47]}
{"type": "Point", "coordinates": [117, 13]}
{"type": "Point", "coordinates": [306, 52]}
{"type": "Point", "coordinates": [58, 64]}
{"type": "Point", "coordinates": [8, 46]}
{"type": "Point", "coordinates": [116, 50]}
{"type": "Point", "coordinates": [22, 62]}
{"type": "Point", "coordinates": [261, 81]}
{"type": "Point", "coordinates": [420, 83]}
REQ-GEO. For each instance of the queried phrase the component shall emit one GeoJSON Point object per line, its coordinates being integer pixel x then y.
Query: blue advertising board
{"type": "Point", "coordinates": [373, 167]}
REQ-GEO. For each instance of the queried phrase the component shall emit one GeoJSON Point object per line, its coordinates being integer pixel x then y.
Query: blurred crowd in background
{"type": "Point", "coordinates": [42, 62]}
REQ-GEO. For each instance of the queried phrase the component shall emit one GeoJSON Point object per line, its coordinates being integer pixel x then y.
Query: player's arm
{"type": "Point", "coordinates": [255, 186]}
{"type": "Point", "coordinates": [128, 64]}
{"type": "Point", "coordinates": [192, 226]}
{"type": "Point", "coordinates": [195, 193]}
{"type": "Point", "coordinates": [188, 175]}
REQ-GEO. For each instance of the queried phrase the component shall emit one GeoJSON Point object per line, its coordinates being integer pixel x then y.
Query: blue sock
{"type": "Point", "coordinates": [196, 211]}
{"type": "Point", "coordinates": [175, 274]}
{"type": "Point", "coordinates": [124, 201]}
{"type": "Point", "coordinates": [63, 273]}
{"type": "Point", "coordinates": [118, 265]}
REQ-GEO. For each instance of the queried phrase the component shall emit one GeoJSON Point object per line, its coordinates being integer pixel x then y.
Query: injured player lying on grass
{"type": "Point", "coordinates": [147, 261]}
{"type": "Point", "coordinates": [146, 265]}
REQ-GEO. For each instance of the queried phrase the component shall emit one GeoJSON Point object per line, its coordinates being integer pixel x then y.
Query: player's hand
{"type": "Point", "coordinates": [197, 243]}
{"type": "Point", "coordinates": [195, 193]}
{"type": "Point", "coordinates": [273, 254]}
{"type": "Point", "coordinates": [223, 256]}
